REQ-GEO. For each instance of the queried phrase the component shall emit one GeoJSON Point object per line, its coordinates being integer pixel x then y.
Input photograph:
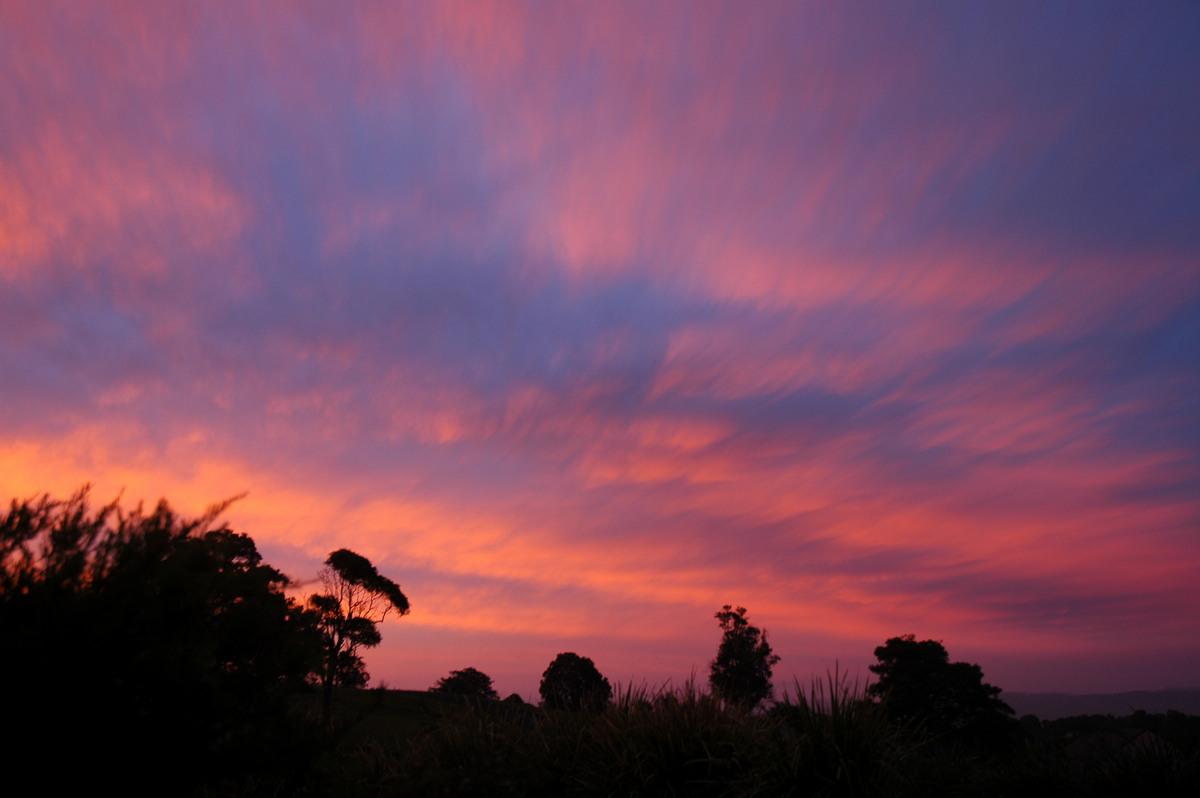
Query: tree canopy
{"type": "Point", "coordinates": [467, 682]}
{"type": "Point", "coordinates": [918, 684]}
{"type": "Point", "coordinates": [741, 671]}
{"type": "Point", "coordinates": [573, 682]}
{"type": "Point", "coordinates": [362, 590]}
{"type": "Point", "coordinates": [356, 600]}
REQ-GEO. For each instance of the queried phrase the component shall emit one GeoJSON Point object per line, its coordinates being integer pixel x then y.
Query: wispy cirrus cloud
{"type": "Point", "coordinates": [583, 321]}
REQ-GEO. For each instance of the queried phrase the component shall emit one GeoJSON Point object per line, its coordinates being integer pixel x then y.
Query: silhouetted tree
{"type": "Point", "coordinates": [356, 600]}
{"type": "Point", "coordinates": [468, 682]}
{"type": "Point", "coordinates": [140, 633]}
{"type": "Point", "coordinates": [918, 684]}
{"type": "Point", "coordinates": [351, 671]}
{"type": "Point", "coordinates": [572, 682]}
{"type": "Point", "coordinates": [741, 672]}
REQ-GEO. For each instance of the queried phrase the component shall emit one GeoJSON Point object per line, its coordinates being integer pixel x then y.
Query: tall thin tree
{"type": "Point", "coordinates": [356, 600]}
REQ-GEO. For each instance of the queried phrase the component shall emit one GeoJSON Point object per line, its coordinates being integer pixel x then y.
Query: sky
{"type": "Point", "coordinates": [582, 320]}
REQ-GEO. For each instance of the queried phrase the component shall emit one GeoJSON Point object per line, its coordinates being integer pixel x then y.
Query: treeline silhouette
{"type": "Point", "coordinates": [147, 647]}
{"type": "Point", "coordinates": [158, 654]}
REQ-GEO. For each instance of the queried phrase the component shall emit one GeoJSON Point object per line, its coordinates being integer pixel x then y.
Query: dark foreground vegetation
{"type": "Point", "coordinates": [145, 650]}
{"type": "Point", "coordinates": [830, 740]}
{"type": "Point", "coordinates": [150, 654]}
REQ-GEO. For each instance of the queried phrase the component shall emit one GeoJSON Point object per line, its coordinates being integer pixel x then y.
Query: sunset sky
{"type": "Point", "coordinates": [581, 320]}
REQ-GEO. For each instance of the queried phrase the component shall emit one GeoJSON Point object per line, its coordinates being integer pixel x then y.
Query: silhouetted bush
{"type": "Point", "coordinates": [467, 682]}
{"type": "Point", "coordinates": [140, 646]}
{"type": "Point", "coordinates": [918, 686]}
{"type": "Point", "coordinates": [572, 682]}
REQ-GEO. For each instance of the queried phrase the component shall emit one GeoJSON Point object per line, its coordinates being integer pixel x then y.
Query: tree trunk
{"type": "Point", "coordinates": [327, 684]}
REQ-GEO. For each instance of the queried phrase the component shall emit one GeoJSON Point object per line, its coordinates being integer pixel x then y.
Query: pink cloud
{"type": "Point", "coordinates": [586, 321]}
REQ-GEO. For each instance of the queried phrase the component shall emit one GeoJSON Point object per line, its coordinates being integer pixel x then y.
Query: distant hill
{"type": "Point", "coordinates": [1049, 706]}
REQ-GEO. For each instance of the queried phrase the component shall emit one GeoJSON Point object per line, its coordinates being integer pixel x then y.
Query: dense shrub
{"type": "Point", "coordinates": [468, 682]}
{"type": "Point", "coordinates": [139, 644]}
{"type": "Point", "coordinates": [573, 682]}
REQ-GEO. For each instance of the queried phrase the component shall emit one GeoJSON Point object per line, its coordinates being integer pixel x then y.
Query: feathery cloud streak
{"type": "Point", "coordinates": [583, 320]}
